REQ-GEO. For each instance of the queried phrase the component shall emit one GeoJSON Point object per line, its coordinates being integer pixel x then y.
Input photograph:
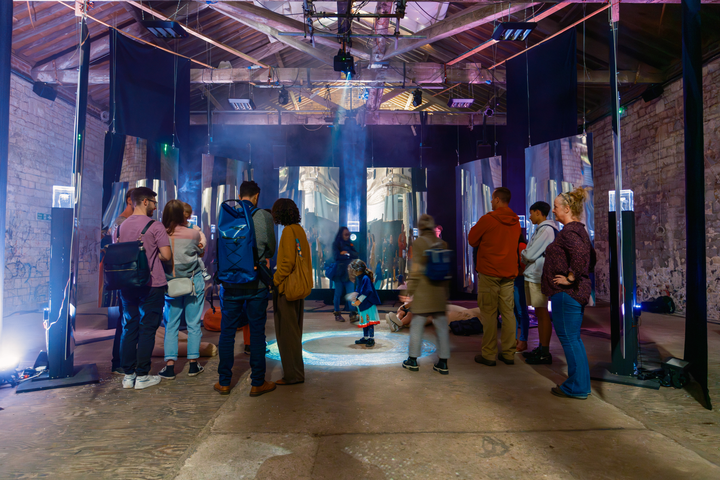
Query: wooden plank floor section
{"type": "Point", "coordinates": [103, 431]}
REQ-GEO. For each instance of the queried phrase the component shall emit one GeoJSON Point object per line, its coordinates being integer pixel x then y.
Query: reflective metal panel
{"type": "Point", "coordinates": [316, 192]}
{"type": "Point", "coordinates": [221, 180]}
{"type": "Point", "coordinates": [396, 197]}
{"type": "Point", "coordinates": [477, 180]}
{"type": "Point", "coordinates": [558, 167]}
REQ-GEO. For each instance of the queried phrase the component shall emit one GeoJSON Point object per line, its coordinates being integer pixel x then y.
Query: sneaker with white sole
{"type": "Point", "coordinates": [129, 381]}
{"type": "Point", "coordinates": [167, 372]}
{"type": "Point", "coordinates": [147, 381]}
{"type": "Point", "coordinates": [195, 369]}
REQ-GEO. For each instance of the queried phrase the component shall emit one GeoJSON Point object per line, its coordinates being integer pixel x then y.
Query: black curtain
{"type": "Point", "coordinates": [112, 164]}
{"type": "Point", "coordinates": [548, 111]}
{"type": "Point", "coordinates": [148, 89]}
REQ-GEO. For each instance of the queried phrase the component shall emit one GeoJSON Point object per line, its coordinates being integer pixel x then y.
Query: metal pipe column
{"type": "Point", "coordinates": [696, 347]}
{"type": "Point", "coordinates": [6, 28]}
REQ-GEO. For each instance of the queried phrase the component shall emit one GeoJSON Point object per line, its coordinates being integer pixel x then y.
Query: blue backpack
{"type": "Point", "coordinates": [438, 263]}
{"type": "Point", "coordinates": [236, 246]}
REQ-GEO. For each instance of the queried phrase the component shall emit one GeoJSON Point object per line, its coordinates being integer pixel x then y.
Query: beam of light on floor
{"type": "Point", "coordinates": [367, 357]}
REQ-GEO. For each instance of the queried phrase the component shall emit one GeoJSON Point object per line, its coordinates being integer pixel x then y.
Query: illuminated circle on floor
{"type": "Point", "coordinates": [396, 354]}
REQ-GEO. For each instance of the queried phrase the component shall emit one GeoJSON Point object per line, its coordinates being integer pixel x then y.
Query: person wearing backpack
{"type": "Point", "coordinates": [534, 259]}
{"type": "Point", "coordinates": [246, 239]}
{"type": "Point", "coordinates": [495, 236]}
{"type": "Point", "coordinates": [293, 275]}
{"type": "Point", "coordinates": [429, 299]}
{"type": "Point", "coordinates": [143, 306]}
{"type": "Point", "coordinates": [344, 252]}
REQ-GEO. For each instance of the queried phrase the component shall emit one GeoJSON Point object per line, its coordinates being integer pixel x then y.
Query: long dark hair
{"type": "Point", "coordinates": [338, 237]}
{"type": "Point", "coordinates": [173, 215]}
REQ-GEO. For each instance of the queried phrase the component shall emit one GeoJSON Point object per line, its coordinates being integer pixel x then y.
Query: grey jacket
{"type": "Point", "coordinates": [533, 256]}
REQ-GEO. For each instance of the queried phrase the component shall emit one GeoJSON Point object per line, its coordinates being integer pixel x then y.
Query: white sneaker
{"type": "Point", "coordinates": [129, 381]}
{"type": "Point", "coordinates": [146, 381]}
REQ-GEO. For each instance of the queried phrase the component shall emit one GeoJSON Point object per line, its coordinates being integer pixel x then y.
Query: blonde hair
{"type": "Point", "coordinates": [575, 200]}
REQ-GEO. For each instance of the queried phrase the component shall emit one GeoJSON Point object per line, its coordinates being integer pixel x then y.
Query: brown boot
{"type": "Point", "coordinates": [266, 387]}
{"type": "Point", "coordinates": [222, 390]}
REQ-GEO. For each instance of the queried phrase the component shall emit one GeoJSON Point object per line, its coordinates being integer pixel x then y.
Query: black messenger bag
{"type": "Point", "coordinates": [126, 264]}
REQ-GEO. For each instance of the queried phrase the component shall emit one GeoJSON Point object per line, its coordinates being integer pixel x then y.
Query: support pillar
{"type": "Point", "coordinates": [6, 28]}
{"type": "Point", "coordinates": [696, 347]}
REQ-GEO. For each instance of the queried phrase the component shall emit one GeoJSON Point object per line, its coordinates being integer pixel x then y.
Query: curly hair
{"type": "Point", "coordinates": [285, 212]}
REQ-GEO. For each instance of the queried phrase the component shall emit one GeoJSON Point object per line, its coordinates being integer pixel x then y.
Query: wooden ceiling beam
{"type": "Point", "coordinates": [248, 13]}
{"type": "Point", "coordinates": [466, 19]}
{"type": "Point", "coordinates": [199, 35]}
{"type": "Point", "coordinates": [322, 54]}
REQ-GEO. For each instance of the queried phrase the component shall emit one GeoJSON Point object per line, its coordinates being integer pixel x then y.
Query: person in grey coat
{"type": "Point", "coordinates": [429, 299]}
{"type": "Point", "coordinates": [534, 257]}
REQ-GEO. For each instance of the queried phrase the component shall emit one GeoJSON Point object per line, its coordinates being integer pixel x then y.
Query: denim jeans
{"type": "Point", "coordinates": [116, 357]}
{"type": "Point", "coordinates": [348, 287]}
{"type": "Point", "coordinates": [192, 306]}
{"type": "Point", "coordinates": [142, 312]}
{"type": "Point", "coordinates": [567, 316]}
{"type": "Point", "coordinates": [233, 303]}
{"type": "Point", "coordinates": [521, 310]}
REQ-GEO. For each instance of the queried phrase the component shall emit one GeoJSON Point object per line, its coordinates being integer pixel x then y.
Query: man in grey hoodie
{"type": "Point", "coordinates": [534, 257]}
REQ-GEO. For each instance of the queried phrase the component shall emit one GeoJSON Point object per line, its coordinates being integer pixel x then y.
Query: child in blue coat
{"type": "Point", "coordinates": [366, 302]}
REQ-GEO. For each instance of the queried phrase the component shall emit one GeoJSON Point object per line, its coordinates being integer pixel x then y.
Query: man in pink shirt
{"type": "Point", "coordinates": [143, 306]}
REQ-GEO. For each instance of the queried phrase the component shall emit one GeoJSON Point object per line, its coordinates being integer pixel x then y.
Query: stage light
{"type": "Point", "coordinates": [344, 62]}
{"type": "Point", "coordinates": [460, 102]}
{"type": "Point", "coordinates": [283, 96]}
{"type": "Point", "coordinates": [622, 111]}
{"type": "Point", "coordinates": [242, 103]}
{"type": "Point", "coordinates": [378, 65]}
{"type": "Point", "coordinates": [513, 31]}
{"type": "Point", "coordinates": [162, 29]}
{"type": "Point", "coordinates": [8, 361]}
{"type": "Point", "coordinates": [417, 98]}
{"type": "Point", "coordinates": [489, 112]}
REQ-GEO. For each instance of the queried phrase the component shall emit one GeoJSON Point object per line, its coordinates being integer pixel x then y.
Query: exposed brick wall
{"type": "Point", "coordinates": [134, 159]}
{"type": "Point", "coordinates": [654, 168]}
{"type": "Point", "coordinates": [41, 146]}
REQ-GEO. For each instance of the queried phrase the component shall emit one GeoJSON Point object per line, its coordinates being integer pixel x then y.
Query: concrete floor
{"type": "Point", "coordinates": [373, 422]}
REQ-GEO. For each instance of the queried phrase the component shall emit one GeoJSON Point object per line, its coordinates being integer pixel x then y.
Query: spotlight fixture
{"type": "Point", "coordinates": [489, 111]}
{"type": "Point", "coordinates": [242, 103]}
{"type": "Point", "coordinates": [417, 97]}
{"type": "Point", "coordinates": [460, 102]}
{"type": "Point", "coordinates": [283, 96]}
{"type": "Point", "coordinates": [344, 62]}
{"type": "Point", "coordinates": [513, 31]}
{"type": "Point", "coordinates": [162, 29]}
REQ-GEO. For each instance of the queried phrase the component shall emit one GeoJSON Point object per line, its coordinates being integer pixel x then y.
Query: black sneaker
{"type": "Point", "coordinates": [411, 364]}
{"type": "Point", "coordinates": [362, 341]}
{"type": "Point", "coordinates": [542, 359]}
{"type": "Point", "coordinates": [118, 371]}
{"type": "Point", "coordinates": [532, 353]}
{"type": "Point", "coordinates": [195, 369]}
{"type": "Point", "coordinates": [441, 367]}
{"type": "Point", "coordinates": [370, 343]}
{"type": "Point", "coordinates": [246, 350]}
{"type": "Point", "coordinates": [168, 372]}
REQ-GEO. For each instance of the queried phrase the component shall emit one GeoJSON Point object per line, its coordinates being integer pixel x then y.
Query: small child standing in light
{"type": "Point", "coordinates": [366, 301]}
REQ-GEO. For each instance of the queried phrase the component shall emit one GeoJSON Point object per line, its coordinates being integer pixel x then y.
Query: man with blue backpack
{"type": "Point", "coordinates": [246, 240]}
{"type": "Point", "coordinates": [534, 257]}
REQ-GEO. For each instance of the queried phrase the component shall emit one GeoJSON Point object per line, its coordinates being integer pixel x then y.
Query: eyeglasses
{"type": "Point", "coordinates": [154, 201]}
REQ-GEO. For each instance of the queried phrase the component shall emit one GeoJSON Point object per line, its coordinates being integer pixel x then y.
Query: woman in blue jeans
{"type": "Point", "coordinates": [187, 251]}
{"type": "Point", "coordinates": [566, 281]}
{"type": "Point", "coordinates": [344, 252]}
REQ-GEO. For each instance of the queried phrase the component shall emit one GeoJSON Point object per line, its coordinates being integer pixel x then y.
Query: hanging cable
{"type": "Point", "coordinates": [584, 74]}
{"type": "Point", "coordinates": [527, 82]}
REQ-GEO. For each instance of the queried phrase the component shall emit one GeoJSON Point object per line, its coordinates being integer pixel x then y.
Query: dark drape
{"type": "Point", "coordinates": [551, 70]}
{"type": "Point", "coordinates": [148, 89]}
{"type": "Point", "coordinates": [112, 164]}
{"type": "Point", "coordinates": [696, 343]}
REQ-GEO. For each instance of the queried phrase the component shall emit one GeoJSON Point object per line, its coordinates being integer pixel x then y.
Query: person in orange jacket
{"type": "Point", "coordinates": [495, 236]}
